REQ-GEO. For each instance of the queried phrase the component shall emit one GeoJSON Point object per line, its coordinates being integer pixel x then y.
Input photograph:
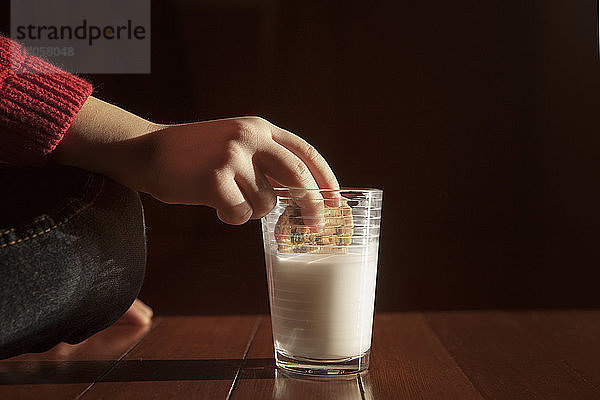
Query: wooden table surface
{"type": "Point", "coordinates": [437, 355]}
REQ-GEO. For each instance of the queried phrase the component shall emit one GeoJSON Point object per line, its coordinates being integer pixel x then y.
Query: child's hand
{"type": "Point", "coordinates": [228, 164]}
{"type": "Point", "coordinates": [225, 164]}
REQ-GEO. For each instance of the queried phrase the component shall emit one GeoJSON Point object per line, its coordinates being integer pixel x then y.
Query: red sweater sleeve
{"type": "Point", "coordinates": [38, 103]}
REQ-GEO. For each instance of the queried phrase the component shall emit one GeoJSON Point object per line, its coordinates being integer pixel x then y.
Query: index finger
{"type": "Point", "coordinates": [318, 167]}
{"type": "Point", "coordinates": [286, 168]}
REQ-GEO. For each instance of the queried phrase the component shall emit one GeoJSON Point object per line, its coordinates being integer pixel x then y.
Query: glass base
{"type": "Point", "coordinates": [305, 366]}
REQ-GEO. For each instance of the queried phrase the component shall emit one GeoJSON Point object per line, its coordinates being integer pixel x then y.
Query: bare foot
{"type": "Point", "coordinates": [138, 314]}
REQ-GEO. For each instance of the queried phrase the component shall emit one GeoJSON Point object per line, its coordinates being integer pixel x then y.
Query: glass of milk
{"type": "Point", "coordinates": [322, 297]}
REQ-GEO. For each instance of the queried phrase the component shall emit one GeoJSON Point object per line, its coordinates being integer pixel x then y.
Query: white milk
{"type": "Point", "coordinates": [322, 305]}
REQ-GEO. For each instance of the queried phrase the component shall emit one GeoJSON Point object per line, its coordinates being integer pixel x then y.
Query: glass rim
{"type": "Point", "coordinates": [342, 189]}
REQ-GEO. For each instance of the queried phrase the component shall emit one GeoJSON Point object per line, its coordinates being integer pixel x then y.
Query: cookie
{"type": "Point", "coordinates": [293, 236]}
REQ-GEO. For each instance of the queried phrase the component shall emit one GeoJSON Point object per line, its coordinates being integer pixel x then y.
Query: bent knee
{"type": "Point", "coordinates": [71, 271]}
{"type": "Point", "coordinates": [116, 275]}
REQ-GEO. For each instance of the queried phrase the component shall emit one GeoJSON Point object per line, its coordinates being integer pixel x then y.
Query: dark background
{"type": "Point", "coordinates": [479, 119]}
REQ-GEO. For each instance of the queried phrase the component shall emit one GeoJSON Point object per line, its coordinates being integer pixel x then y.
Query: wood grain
{"type": "Point", "coordinates": [409, 362]}
{"type": "Point", "coordinates": [438, 355]}
{"type": "Point", "coordinates": [260, 380]}
{"type": "Point", "coordinates": [184, 357]}
{"type": "Point", "coordinates": [66, 371]}
{"type": "Point", "coordinates": [504, 361]}
{"type": "Point", "coordinates": [572, 336]}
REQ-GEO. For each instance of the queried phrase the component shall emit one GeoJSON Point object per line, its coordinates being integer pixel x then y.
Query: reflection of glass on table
{"type": "Point", "coordinates": [290, 386]}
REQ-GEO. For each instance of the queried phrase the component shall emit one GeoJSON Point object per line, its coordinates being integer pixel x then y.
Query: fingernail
{"type": "Point", "coordinates": [319, 226]}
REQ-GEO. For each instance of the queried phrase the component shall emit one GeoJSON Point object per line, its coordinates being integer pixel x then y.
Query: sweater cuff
{"type": "Point", "coordinates": [38, 103]}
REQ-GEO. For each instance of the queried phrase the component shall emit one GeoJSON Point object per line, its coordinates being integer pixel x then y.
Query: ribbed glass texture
{"type": "Point", "coordinates": [322, 278]}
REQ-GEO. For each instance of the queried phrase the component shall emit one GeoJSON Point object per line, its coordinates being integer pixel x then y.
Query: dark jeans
{"type": "Point", "coordinates": [72, 255]}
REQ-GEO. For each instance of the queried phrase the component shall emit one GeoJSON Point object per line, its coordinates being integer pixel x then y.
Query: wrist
{"type": "Point", "coordinates": [104, 138]}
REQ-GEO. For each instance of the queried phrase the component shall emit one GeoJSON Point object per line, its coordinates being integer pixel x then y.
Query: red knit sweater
{"type": "Point", "coordinates": [38, 103]}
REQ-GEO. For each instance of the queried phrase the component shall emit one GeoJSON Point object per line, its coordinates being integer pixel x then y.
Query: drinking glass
{"type": "Point", "coordinates": [321, 278]}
